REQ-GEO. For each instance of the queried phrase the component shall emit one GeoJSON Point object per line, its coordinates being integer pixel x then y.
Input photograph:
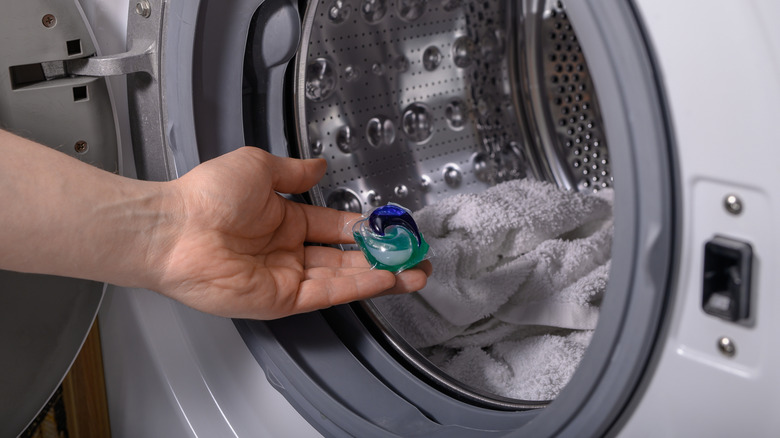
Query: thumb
{"type": "Point", "coordinates": [291, 175]}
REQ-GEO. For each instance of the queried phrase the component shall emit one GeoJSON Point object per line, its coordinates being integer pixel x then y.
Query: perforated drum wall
{"type": "Point", "coordinates": [411, 101]}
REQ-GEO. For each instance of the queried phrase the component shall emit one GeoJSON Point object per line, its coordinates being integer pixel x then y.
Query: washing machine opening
{"type": "Point", "coordinates": [482, 118]}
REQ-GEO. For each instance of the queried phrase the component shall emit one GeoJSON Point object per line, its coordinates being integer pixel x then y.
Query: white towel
{"type": "Point", "coordinates": [516, 268]}
{"type": "Point", "coordinates": [568, 276]}
{"type": "Point", "coordinates": [488, 244]}
{"type": "Point", "coordinates": [534, 368]}
{"type": "Point", "coordinates": [416, 321]}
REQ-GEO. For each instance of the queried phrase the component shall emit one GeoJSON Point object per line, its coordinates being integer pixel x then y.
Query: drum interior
{"type": "Point", "coordinates": [413, 101]}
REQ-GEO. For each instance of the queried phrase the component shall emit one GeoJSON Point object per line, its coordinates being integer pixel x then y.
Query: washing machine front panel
{"type": "Point", "coordinates": [634, 94]}
{"type": "Point", "coordinates": [720, 97]}
{"type": "Point", "coordinates": [201, 62]}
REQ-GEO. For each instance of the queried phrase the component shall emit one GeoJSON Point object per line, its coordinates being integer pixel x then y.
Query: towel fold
{"type": "Point", "coordinates": [534, 368]}
{"type": "Point", "coordinates": [417, 322]}
{"type": "Point", "coordinates": [568, 276]}
{"type": "Point", "coordinates": [519, 273]}
{"type": "Point", "coordinates": [488, 244]}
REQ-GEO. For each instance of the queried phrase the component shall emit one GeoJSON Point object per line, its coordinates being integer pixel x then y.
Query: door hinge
{"type": "Point", "coordinates": [141, 64]}
{"type": "Point", "coordinates": [134, 61]}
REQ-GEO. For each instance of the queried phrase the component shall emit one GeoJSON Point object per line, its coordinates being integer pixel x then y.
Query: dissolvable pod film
{"type": "Point", "coordinates": [390, 239]}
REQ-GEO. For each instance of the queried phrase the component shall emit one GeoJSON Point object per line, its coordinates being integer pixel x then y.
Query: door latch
{"type": "Point", "coordinates": [727, 279]}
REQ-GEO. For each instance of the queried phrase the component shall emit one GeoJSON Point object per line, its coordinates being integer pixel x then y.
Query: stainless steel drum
{"type": "Point", "coordinates": [412, 101]}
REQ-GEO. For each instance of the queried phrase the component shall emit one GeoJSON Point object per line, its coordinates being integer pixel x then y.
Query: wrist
{"type": "Point", "coordinates": [64, 217]}
{"type": "Point", "coordinates": [156, 215]}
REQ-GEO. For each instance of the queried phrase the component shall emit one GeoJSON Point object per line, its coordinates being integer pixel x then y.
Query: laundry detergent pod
{"type": "Point", "coordinates": [390, 239]}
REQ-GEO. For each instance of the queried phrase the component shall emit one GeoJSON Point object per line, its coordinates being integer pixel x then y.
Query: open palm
{"type": "Point", "coordinates": [240, 251]}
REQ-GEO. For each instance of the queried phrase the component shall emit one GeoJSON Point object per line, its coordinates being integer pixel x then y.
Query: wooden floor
{"type": "Point", "coordinates": [78, 408]}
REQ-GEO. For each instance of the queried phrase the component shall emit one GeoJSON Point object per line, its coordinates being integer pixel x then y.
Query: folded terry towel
{"type": "Point", "coordinates": [534, 368]}
{"type": "Point", "coordinates": [519, 272]}
{"type": "Point", "coordinates": [567, 277]}
{"type": "Point", "coordinates": [488, 244]}
{"type": "Point", "coordinates": [415, 321]}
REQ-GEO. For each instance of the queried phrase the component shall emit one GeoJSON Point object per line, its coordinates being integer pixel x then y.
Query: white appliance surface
{"type": "Point", "coordinates": [175, 372]}
{"type": "Point", "coordinates": [192, 374]}
{"type": "Point", "coordinates": [720, 64]}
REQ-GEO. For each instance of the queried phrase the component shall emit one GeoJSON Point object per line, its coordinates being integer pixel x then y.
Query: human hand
{"type": "Point", "coordinates": [238, 247]}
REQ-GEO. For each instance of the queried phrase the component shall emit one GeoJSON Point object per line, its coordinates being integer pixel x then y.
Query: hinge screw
{"type": "Point", "coordinates": [727, 347]}
{"type": "Point", "coordinates": [143, 8]}
{"type": "Point", "coordinates": [81, 146]}
{"type": "Point", "coordinates": [49, 20]}
{"type": "Point", "coordinates": [733, 204]}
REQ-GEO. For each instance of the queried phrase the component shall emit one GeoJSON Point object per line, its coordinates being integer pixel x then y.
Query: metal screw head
{"type": "Point", "coordinates": [143, 8]}
{"type": "Point", "coordinates": [81, 146]}
{"type": "Point", "coordinates": [727, 347]}
{"type": "Point", "coordinates": [733, 204]}
{"type": "Point", "coordinates": [49, 20]}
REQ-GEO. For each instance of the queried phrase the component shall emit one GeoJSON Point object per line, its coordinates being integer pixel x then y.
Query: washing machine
{"type": "Point", "coordinates": [670, 105]}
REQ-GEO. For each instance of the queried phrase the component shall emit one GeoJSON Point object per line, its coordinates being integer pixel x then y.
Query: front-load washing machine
{"type": "Point", "coordinates": [666, 105]}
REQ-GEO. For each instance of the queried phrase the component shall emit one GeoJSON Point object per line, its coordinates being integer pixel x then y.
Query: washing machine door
{"type": "Point", "coordinates": [53, 90]}
{"type": "Point", "coordinates": [43, 319]}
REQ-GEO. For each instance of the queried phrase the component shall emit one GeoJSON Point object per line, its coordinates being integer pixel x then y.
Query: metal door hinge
{"type": "Point", "coordinates": [141, 63]}
{"type": "Point", "coordinates": [142, 60]}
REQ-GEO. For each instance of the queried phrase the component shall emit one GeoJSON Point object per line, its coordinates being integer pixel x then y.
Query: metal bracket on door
{"type": "Point", "coordinates": [135, 61]}
{"type": "Point", "coordinates": [141, 63]}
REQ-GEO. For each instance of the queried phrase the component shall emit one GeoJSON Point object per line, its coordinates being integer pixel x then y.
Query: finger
{"type": "Point", "coordinates": [321, 256]}
{"type": "Point", "coordinates": [426, 266]}
{"type": "Point", "coordinates": [410, 280]}
{"type": "Point", "coordinates": [291, 175]}
{"type": "Point", "coordinates": [353, 263]}
{"type": "Point", "coordinates": [326, 225]}
{"type": "Point", "coordinates": [318, 273]}
{"type": "Point", "coordinates": [320, 293]}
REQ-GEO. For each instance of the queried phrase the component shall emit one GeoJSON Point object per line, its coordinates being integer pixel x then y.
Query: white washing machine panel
{"type": "Point", "coordinates": [717, 87]}
{"type": "Point", "coordinates": [709, 93]}
{"type": "Point", "coordinates": [721, 78]}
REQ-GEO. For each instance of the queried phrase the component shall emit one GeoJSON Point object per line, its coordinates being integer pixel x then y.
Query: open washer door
{"type": "Point", "coordinates": [44, 320]}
